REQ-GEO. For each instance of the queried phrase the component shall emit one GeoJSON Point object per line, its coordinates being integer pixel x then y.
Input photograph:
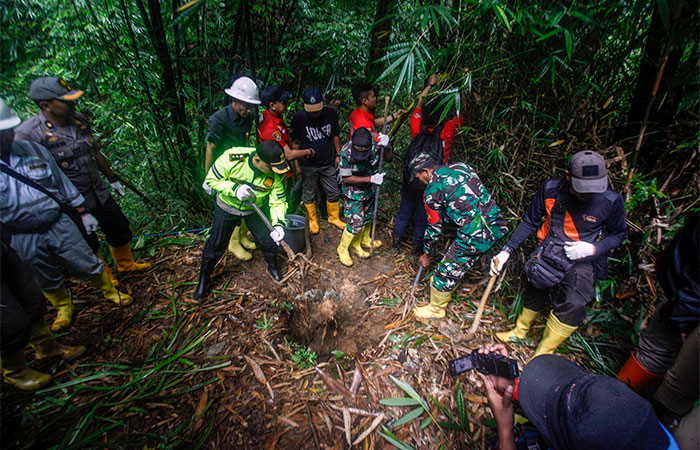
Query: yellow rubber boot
{"type": "Point", "coordinates": [436, 308]}
{"type": "Point", "coordinates": [235, 247]}
{"type": "Point", "coordinates": [114, 281]}
{"type": "Point", "coordinates": [313, 218]}
{"type": "Point", "coordinates": [109, 291]}
{"type": "Point", "coordinates": [45, 346]}
{"type": "Point", "coordinates": [522, 326]}
{"type": "Point", "coordinates": [245, 241]}
{"type": "Point", "coordinates": [356, 246]}
{"type": "Point", "coordinates": [367, 238]}
{"type": "Point", "coordinates": [60, 298]}
{"type": "Point", "coordinates": [125, 260]}
{"type": "Point", "coordinates": [555, 333]}
{"type": "Point", "coordinates": [334, 214]}
{"type": "Point", "coordinates": [16, 373]}
{"type": "Point", "coordinates": [343, 249]}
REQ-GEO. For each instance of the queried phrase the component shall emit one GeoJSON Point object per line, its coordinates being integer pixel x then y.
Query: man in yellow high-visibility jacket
{"type": "Point", "coordinates": [239, 177]}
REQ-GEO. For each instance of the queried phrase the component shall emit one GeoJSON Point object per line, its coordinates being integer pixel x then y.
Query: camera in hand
{"type": "Point", "coordinates": [486, 363]}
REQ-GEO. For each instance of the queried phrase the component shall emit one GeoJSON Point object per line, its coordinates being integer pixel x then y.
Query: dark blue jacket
{"type": "Point", "coordinates": [678, 271]}
{"type": "Point", "coordinates": [584, 221]}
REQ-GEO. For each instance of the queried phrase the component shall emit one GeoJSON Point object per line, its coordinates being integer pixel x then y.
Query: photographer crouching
{"type": "Point", "coordinates": [570, 408]}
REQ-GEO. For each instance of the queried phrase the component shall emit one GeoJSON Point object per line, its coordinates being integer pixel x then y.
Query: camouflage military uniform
{"type": "Point", "coordinates": [455, 193]}
{"type": "Point", "coordinates": [359, 198]}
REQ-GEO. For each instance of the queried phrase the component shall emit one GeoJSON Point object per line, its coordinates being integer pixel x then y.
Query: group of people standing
{"type": "Point", "coordinates": [54, 200]}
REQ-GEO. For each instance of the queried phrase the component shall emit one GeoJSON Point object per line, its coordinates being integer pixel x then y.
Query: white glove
{"type": "Point", "coordinates": [497, 262]}
{"type": "Point", "coordinates": [579, 250]}
{"type": "Point", "coordinates": [207, 188]}
{"type": "Point", "coordinates": [277, 234]}
{"type": "Point", "coordinates": [89, 222]}
{"type": "Point", "coordinates": [245, 193]}
{"type": "Point", "coordinates": [383, 139]}
{"type": "Point", "coordinates": [377, 178]}
{"type": "Point", "coordinates": [118, 188]}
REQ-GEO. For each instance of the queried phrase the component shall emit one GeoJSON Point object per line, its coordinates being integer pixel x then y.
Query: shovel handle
{"type": "Point", "coordinates": [482, 304]}
{"type": "Point", "coordinates": [263, 217]}
{"type": "Point", "coordinates": [415, 282]}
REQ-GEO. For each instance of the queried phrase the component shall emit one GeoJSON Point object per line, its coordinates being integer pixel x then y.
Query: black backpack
{"type": "Point", "coordinates": [428, 142]}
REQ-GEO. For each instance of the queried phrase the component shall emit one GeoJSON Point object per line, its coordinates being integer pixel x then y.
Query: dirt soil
{"type": "Point", "coordinates": [223, 374]}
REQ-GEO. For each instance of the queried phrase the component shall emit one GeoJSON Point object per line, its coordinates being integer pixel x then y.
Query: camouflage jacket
{"type": "Point", "coordinates": [365, 168]}
{"type": "Point", "coordinates": [456, 194]}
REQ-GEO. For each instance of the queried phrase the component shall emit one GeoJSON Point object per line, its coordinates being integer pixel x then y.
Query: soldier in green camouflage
{"type": "Point", "coordinates": [359, 169]}
{"type": "Point", "coordinates": [454, 194]}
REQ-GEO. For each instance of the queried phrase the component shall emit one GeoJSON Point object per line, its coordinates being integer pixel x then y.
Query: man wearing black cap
{"type": "Point", "coordinates": [571, 251]}
{"type": "Point", "coordinates": [359, 167]}
{"type": "Point", "coordinates": [239, 177]}
{"type": "Point", "coordinates": [272, 128]}
{"type": "Point", "coordinates": [68, 137]}
{"type": "Point", "coordinates": [572, 408]}
{"type": "Point", "coordinates": [317, 128]}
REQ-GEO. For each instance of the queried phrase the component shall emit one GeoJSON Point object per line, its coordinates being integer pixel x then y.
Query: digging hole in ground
{"type": "Point", "coordinates": [328, 320]}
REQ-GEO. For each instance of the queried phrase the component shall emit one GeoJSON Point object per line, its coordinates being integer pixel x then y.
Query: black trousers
{"type": "Point", "coordinates": [112, 222]}
{"type": "Point", "coordinates": [570, 296]}
{"type": "Point", "coordinates": [222, 228]}
{"type": "Point", "coordinates": [21, 302]}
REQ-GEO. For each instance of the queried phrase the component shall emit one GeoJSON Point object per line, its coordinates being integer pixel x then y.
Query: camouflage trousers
{"type": "Point", "coordinates": [464, 251]}
{"type": "Point", "coordinates": [358, 212]}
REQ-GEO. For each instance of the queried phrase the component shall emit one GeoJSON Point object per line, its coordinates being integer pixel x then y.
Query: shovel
{"type": "Point", "coordinates": [415, 282]}
{"type": "Point", "coordinates": [287, 249]}
{"type": "Point", "coordinates": [480, 311]}
{"type": "Point", "coordinates": [376, 194]}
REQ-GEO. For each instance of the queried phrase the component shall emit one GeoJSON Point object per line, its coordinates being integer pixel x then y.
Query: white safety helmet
{"type": "Point", "coordinates": [8, 118]}
{"type": "Point", "coordinates": [245, 90]}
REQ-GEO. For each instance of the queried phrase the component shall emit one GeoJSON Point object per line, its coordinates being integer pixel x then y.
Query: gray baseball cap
{"type": "Point", "coordinates": [589, 173]}
{"type": "Point", "coordinates": [49, 88]}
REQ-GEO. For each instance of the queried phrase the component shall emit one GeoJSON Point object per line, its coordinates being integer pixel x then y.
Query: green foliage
{"type": "Point", "coordinates": [461, 422]}
{"type": "Point", "coordinates": [264, 323]}
{"type": "Point", "coordinates": [282, 305]}
{"type": "Point", "coordinates": [303, 357]}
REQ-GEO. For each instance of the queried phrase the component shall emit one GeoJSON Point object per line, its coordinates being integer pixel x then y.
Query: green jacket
{"type": "Point", "coordinates": [235, 168]}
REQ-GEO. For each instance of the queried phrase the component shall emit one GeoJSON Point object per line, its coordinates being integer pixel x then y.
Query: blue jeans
{"type": "Point", "coordinates": [411, 204]}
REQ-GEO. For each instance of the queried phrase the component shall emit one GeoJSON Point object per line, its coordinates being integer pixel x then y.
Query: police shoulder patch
{"type": "Point", "coordinates": [277, 135]}
{"type": "Point", "coordinates": [268, 182]}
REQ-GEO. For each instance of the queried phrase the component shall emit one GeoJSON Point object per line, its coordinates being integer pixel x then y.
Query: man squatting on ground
{"type": "Point", "coordinates": [359, 168]}
{"type": "Point", "coordinates": [572, 409]}
{"type": "Point", "coordinates": [317, 128]}
{"type": "Point", "coordinates": [435, 138]}
{"type": "Point", "coordinates": [454, 194]}
{"type": "Point", "coordinates": [35, 193]}
{"type": "Point", "coordinates": [669, 345]}
{"type": "Point", "coordinates": [239, 177]}
{"type": "Point", "coordinates": [68, 137]}
{"type": "Point", "coordinates": [571, 250]}
{"type": "Point", "coordinates": [272, 128]}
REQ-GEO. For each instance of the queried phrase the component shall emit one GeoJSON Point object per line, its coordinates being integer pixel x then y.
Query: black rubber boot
{"type": "Point", "coordinates": [417, 249]}
{"type": "Point", "coordinates": [271, 259]}
{"type": "Point", "coordinates": [203, 286]}
{"type": "Point", "coordinates": [395, 244]}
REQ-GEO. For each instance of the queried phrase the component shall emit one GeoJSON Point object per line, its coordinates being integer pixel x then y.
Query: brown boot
{"type": "Point", "coordinates": [16, 373]}
{"type": "Point", "coordinates": [45, 346]}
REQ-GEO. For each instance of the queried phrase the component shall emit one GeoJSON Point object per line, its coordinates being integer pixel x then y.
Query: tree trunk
{"type": "Point", "coordinates": [156, 30]}
{"type": "Point", "coordinates": [380, 38]}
